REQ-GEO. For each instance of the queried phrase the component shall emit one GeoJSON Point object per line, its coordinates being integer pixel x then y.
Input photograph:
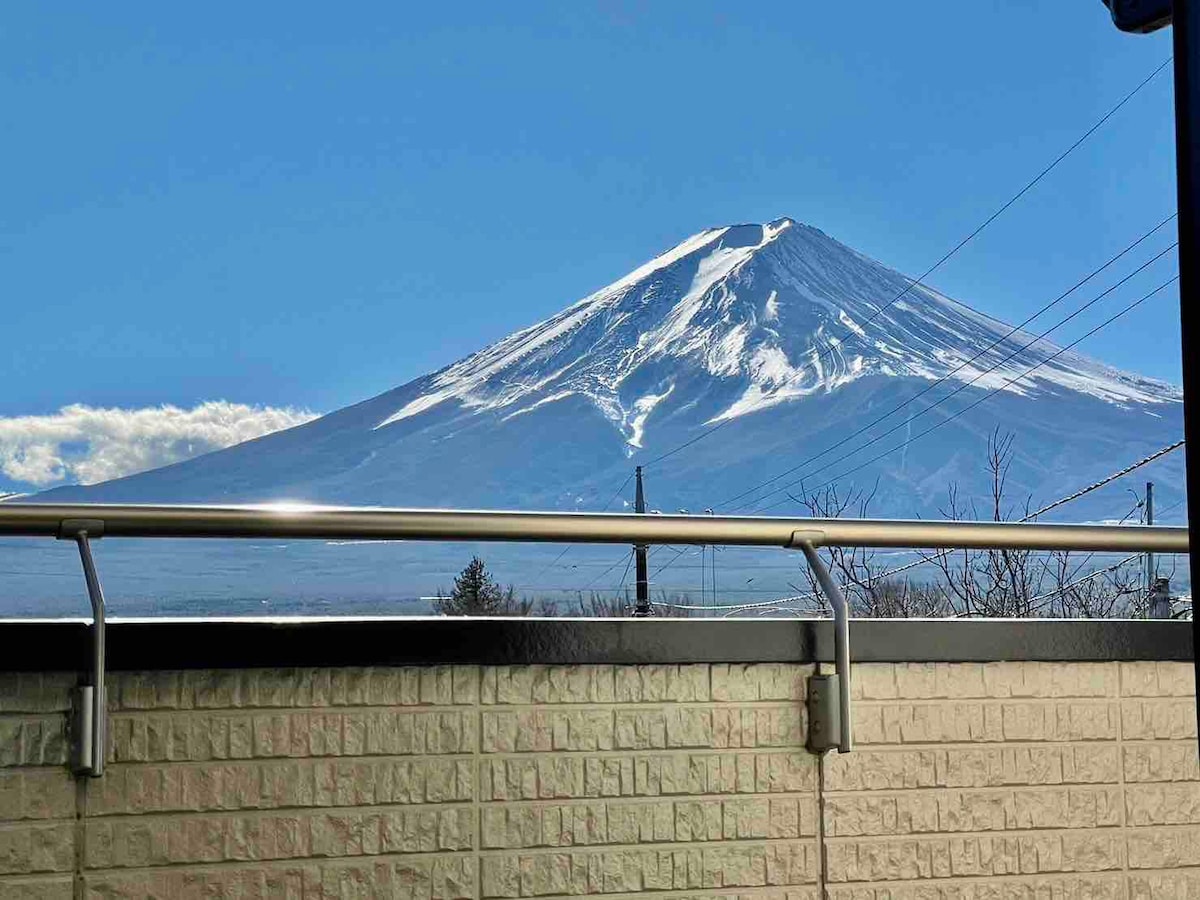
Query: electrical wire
{"type": "Point", "coordinates": [918, 281]}
{"type": "Point", "coordinates": [683, 588]}
{"type": "Point", "coordinates": [601, 575]}
{"type": "Point", "coordinates": [1108, 479]}
{"type": "Point", "coordinates": [915, 282]}
{"type": "Point", "coordinates": [1058, 591]}
{"type": "Point", "coordinates": [625, 574]}
{"type": "Point", "coordinates": [1168, 508]}
{"type": "Point", "coordinates": [678, 553]}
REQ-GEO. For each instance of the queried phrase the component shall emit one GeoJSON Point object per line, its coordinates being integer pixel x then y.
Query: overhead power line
{"type": "Point", "coordinates": [1043, 600]}
{"type": "Point", "coordinates": [687, 590]}
{"type": "Point", "coordinates": [678, 553]}
{"type": "Point", "coordinates": [1107, 480]}
{"type": "Point", "coordinates": [625, 574]}
{"type": "Point", "coordinates": [1058, 591]}
{"type": "Point", "coordinates": [943, 379]}
{"type": "Point", "coordinates": [600, 577]}
{"type": "Point", "coordinates": [1167, 509]}
{"type": "Point", "coordinates": [915, 282]}
{"type": "Point", "coordinates": [617, 492]}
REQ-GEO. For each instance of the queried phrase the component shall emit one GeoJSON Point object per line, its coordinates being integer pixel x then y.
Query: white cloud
{"type": "Point", "coordinates": [87, 444]}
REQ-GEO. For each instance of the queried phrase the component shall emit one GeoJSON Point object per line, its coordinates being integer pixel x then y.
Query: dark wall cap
{"type": "Point", "coordinates": [249, 643]}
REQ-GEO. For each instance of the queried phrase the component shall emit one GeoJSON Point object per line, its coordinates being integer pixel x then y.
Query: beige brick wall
{"type": "Point", "coordinates": [990, 780]}
{"type": "Point", "coordinates": [37, 794]}
{"type": "Point", "coordinates": [1004, 780]}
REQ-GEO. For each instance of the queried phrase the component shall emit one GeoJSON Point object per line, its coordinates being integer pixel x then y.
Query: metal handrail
{"type": "Point", "coordinates": [83, 521]}
{"type": "Point", "coordinates": [370, 523]}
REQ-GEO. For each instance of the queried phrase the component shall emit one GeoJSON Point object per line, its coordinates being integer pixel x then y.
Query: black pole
{"type": "Point", "coordinates": [639, 550]}
{"type": "Point", "coordinates": [1150, 556]}
{"type": "Point", "coordinates": [1186, 25]}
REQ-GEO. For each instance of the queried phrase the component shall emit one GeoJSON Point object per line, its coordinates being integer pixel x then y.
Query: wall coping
{"type": "Point", "coordinates": [161, 643]}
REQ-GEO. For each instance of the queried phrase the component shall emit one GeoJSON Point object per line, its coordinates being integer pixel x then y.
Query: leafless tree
{"type": "Point", "coordinates": [991, 583]}
{"type": "Point", "coordinates": [1082, 592]}
{"type": "Point", "coordinates": [868, 589]}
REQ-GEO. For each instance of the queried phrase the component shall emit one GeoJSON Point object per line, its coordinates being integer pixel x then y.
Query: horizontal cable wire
{"type": "Point", "coordinates": [1108, 479]}
{"type": "Point", "coordinates": [915, 282]}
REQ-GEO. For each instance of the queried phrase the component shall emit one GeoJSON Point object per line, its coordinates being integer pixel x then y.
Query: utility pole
{"type": "Point", "coordinates": [1160, 599]}
{"type": "Point", "coordinates": [1150, 521]}
{"type": "Point", "coordinates": [639, 551]}
{"type": "Point", "coordinates": [1158, 590]}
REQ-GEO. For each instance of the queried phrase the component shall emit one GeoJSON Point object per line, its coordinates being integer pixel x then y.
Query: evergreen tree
{"type": "Point", "coordinates": [475, 593]}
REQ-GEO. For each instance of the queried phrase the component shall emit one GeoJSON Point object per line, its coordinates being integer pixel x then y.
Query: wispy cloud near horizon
{"type": "Point", "coordinates": [86, 444]}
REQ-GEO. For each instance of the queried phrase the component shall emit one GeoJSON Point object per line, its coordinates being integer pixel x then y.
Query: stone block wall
{"type": "Point", "coordinates": [991, 780]}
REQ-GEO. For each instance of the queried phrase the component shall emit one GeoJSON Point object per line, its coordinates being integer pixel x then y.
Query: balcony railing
{"type": "Point", "coordinates": [830, 720]}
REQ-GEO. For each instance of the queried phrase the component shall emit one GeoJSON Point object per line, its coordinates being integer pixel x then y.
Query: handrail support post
{"type": "Point", "coordinates": [835, 724]}
{"type": "Point", "coordinates": [89, 723]}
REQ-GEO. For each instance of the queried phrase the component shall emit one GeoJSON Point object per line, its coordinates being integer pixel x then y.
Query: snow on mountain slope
{"type": "Point", "coordinates": [778, 328]}
{"type": "Point", "coordinates": [782, 308]}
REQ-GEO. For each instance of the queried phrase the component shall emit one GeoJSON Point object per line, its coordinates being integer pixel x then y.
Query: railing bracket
{"type": "Point", "coordinates": [89, 708]}
{"type": "Point", "coordinates": [70, 529]}
{"type": "Point", "coordinates": [824, 714]}
{"type": "Point", "coordinates": [81, 729]}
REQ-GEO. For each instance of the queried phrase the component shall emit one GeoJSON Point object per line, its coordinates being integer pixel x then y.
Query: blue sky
{"type": "Point", "coordinates": [302, 205]}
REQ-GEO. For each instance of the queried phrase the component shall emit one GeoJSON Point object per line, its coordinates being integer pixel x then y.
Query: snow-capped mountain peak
{"type": "Point", "coordinates": [760, 315]}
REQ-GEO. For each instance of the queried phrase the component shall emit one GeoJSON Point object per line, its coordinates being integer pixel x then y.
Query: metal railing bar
{"type": "Point", "coordinates": [367, 523]}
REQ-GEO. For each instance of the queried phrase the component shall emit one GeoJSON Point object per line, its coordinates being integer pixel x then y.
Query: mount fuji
{"type": "Point", "coordinates": [742, 352]}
